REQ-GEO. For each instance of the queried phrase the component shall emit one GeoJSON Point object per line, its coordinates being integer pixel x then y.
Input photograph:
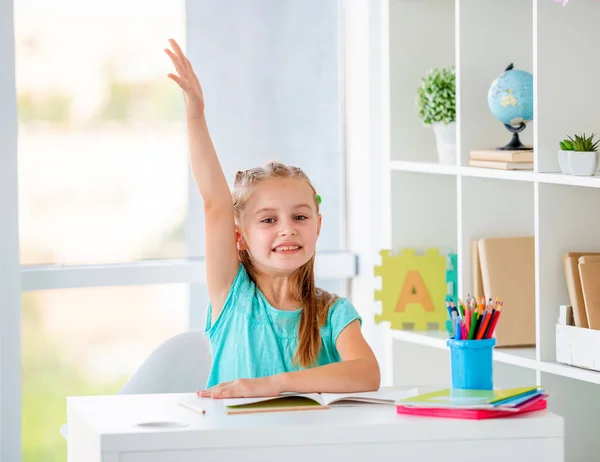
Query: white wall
{"type": "Point", "coordinates": [10, 327]}
{"type": "Point", "coordinates": [273, 82]}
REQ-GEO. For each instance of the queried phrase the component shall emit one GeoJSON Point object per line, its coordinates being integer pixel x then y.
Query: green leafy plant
{"type": "Point", "coordinates": [581, 143]}
{"type": "Point", "coordinates": [436, 96]}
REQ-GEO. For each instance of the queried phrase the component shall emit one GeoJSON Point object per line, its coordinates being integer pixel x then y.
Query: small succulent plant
{"type": "Point", "coordinates": [566, 145]}
{"type": "Point", "coordinates": [581, 143]}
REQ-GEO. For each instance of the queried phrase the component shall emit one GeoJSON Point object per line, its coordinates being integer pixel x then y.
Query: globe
{"type": "Point", "coordinates": [510, 99]}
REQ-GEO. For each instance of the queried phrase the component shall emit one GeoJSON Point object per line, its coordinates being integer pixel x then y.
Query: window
{"type": "Point", "coordinates": [102, 146]}
{"type": "Point", "coordinates": [103, 178]}
{"type": "Point", "coordinates": [87, 342]}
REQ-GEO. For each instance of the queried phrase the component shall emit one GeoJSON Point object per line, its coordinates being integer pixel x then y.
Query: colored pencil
{"type": "Point", "coordinates": [494, 321]}
{"type": "Point", "coordinates": [474, 319]}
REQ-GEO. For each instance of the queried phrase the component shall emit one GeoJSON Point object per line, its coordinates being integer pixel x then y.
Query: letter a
{"type": "Point", "coordinates": [414, 291]}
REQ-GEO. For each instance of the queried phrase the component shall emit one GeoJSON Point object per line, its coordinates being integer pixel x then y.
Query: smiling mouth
{"type": "Point", "coordinates": [287, 248]}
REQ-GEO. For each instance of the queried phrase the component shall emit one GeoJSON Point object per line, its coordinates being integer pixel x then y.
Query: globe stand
{"type": "Point", "coordinates": [515, 143]}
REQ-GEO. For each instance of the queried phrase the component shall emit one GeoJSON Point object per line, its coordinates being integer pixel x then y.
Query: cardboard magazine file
{"type": "Point", "coordinates": [589, 272]}
{"type": "Point", "coordinates": [576, 346]}
{"type": "Point", "coordinates": [573, 280]}
{"type": "Point", "coordinates": [508, 273]}
{"type": "Point", "coordinates": [477, 282]}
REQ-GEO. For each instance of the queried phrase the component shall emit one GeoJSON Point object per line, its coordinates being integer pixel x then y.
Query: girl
{"type": "Point", "coordinates": [270, 329]}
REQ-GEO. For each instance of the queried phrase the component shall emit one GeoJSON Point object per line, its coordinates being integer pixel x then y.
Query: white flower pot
{"type": "Point", "coordinates": [445, 137]}
{"type": "Point", "coordinates": [583, 163]}
{"type": "Point", "coordinates": [563, 161]}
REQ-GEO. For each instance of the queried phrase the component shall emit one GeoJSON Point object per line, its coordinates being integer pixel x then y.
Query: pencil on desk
{"type": "Point", "coordinates": [192, 407]}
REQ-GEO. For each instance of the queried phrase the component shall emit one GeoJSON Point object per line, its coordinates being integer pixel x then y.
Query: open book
{"type": "Point", "coordinates": [307, 401]}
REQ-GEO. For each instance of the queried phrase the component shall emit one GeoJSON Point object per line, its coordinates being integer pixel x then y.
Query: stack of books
{"type": "Point", "coordinates": [474, 404]}
{"type": "Point", "coordinates": [504, 160]}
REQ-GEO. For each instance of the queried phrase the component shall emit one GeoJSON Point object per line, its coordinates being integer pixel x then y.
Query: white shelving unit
{"type": "Point", "coordinates": [446, 206]}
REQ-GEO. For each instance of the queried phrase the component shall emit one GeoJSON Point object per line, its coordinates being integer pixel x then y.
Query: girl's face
{"type": "Point", "coordinates": [280, 225]}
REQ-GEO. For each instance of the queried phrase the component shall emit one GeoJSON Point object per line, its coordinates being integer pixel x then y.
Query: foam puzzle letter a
{"type": "Point", "coordinates": [413, 289]}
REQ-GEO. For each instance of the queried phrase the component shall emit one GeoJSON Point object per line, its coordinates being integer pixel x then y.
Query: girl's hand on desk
{"type": "Point", "coordinates": [243, 388]}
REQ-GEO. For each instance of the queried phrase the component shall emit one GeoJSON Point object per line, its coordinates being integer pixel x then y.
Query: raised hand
{"type": "Point", "coordinates": [187, 80]}
{"type": "Point", "coordinates": [222, 261]}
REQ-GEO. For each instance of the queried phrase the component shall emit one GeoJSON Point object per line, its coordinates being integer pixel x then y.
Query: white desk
{"type": "Point", "coordinates": [104, 429]}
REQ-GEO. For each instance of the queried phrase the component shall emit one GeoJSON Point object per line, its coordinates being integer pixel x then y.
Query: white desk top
{"type": "Point", "coordinates": [115, 419]}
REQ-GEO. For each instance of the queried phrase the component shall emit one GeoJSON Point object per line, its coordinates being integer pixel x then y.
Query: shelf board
{"type": "Point", "coordinates": [423, 167]}
{"type": "Point", "coordinates": [524, 357]}
{"type": "Point", "coordinates": [431, 338]}
{"type": "Point", "coordinates": [572, 372]}
{"type": "Point", "coordinates": [512, 175]}
{"type": "Point", "coordinates": [569, 180]}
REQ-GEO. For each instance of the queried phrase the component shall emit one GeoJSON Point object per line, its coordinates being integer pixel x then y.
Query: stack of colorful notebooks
{"type": "Point", "coordinates": [474, 404]}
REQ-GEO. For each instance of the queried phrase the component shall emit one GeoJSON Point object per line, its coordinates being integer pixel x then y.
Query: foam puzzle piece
{"type": "Point", "coordinates": [452, 277]}
{"type": "Point", "coordinates": [414, 289]}
{"type": "Point", "coordinates": [452, 282]}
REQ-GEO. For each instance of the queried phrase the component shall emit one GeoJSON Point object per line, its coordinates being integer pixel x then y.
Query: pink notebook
{"type": "Point", "coordinates": [535, 404]}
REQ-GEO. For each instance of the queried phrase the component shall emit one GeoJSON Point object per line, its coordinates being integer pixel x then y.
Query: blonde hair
{"type": "Point", "coordinates": [316, 302]}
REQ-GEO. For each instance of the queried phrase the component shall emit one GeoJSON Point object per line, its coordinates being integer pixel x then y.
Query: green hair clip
{"type": "Point", "coordinates": [319, 200]}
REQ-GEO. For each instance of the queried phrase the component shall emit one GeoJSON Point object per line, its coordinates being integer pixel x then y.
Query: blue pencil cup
{"type": "Point", "coordinates": [471, 363]}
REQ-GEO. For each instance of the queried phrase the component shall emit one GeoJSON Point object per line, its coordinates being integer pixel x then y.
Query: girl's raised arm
{"type": "Point", "coordinates": [221, 250]}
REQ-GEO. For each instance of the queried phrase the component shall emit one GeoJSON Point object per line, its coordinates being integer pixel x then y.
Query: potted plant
{"type": "Point", "coordinates": [436, 103]}
{"type": "Point", "coordinates": [563, 156]}
{"type": "Point", "coordinates": [581, 153]}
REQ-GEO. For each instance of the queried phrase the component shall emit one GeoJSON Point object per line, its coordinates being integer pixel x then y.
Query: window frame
{"type": "Point", "coordinates": [10, 290]}
{"type": "Point", "coordinates": [328, 265]}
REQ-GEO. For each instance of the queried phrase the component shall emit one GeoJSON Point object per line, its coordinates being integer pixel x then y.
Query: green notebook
{"type": "Point", "coordinates": [285, 403]}
{"type": "Point", "coordinates": [471, 399]}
